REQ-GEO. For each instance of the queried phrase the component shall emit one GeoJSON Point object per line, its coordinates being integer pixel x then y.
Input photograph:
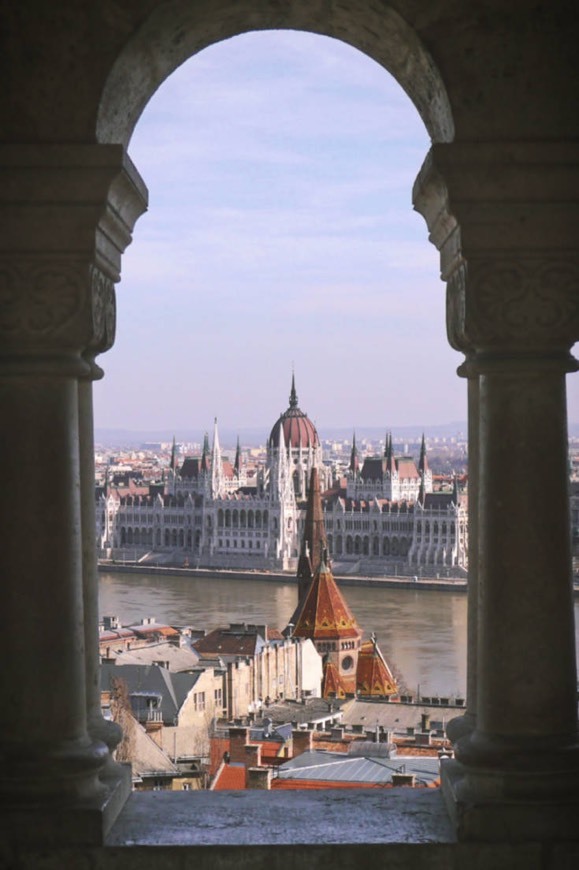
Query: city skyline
{"type": "Point", "coordinates": [280, 235]}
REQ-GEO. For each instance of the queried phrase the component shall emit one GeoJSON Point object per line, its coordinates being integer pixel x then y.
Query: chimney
{"type": "Point", "coordinates": [258, 778]}
{"type": "Point", "coordinates": [302, 741]}
{"type": "Point", "coordinates": [252, 756]}
{"type": "Point", "coordinates": [408, 779]}
{"type": "Point", "coordinates": [238, 738]}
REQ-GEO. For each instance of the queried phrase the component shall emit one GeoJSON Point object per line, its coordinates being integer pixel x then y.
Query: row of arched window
{"type": "Point", "coordinates": [242, 519]}
{"type": "Point", "coordinates": [364, 545]}
{"type": "Point", "coordinates": [169, 538]}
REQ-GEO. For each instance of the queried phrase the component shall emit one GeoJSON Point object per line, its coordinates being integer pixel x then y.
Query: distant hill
{"type": "Point", "coordinates": [255, 436]}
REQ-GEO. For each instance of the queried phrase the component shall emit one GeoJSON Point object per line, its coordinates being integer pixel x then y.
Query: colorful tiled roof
{"type": "Point", "coordinates": [374, 678]}
{"type": "Point", "coordinates": [335, 685]}
{"type": "Point", "coordinates": [325, 614]}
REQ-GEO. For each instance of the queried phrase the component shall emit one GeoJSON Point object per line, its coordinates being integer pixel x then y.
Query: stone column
{"type": "Point", "coordinates": [504, 218]}
{"type": "Point", "coordinates": [463, 725]}
{"type": "Point", "coordinates": [68, 213]}
{"type": "Point", "coordinates": [116, 777]}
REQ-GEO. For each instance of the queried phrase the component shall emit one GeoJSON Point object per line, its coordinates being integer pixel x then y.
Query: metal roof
{"type": "Point", "coordinates": [335, 767]}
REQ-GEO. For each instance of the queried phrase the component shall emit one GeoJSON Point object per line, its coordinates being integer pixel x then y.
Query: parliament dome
{"type": "Point", "coordinates": [298, 429]}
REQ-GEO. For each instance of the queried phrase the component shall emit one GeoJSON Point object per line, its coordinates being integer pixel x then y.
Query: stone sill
{"type": "Point", "coordinates": [329, 816]}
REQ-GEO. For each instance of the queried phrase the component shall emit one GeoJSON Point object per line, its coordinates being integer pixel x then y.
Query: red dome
{"type": "Point", "coordinates": [298, 429]}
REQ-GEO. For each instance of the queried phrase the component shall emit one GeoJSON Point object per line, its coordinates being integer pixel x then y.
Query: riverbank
{"type": "Point", "coordinates": [422, 583]}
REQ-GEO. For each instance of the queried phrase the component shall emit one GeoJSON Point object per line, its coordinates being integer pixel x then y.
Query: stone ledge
{"type": "Point", "coordinates": [285, 817]}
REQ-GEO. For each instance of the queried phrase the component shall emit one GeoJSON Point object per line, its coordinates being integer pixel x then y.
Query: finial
{"type": "Point", "coordinates": [293, 395]}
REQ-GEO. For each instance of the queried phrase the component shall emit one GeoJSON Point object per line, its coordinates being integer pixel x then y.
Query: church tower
{"type": "Point", "coordinates": [327, 620]}
{"type": "Point", "coordinates": [313, 543]}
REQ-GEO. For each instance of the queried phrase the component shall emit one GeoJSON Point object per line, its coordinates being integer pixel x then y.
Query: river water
{"type": "Point", "coordinates": [422, 634]}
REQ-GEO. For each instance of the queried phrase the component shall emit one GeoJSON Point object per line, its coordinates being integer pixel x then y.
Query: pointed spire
{"type": "Point", "coordinates": [314, 541]}
{"type": "Point", "coordinates": [455, 489]}
{"type": "Point", "coordinates": [217, 482]}
{"type": "Point", "coordinates": [205, 454]}
{"type": "Point", "coordinates": [423, 461]}
{"type": "Point", "coordinates": [421, 491]}
{"type": "Point", "coordinates": [237, 464]}
{"type": "Point", "coordinates": [172, 461]}
{"type": "Point", "coordinates": [293, 400]}
{"type": "Point", "coordinates": [284, 483]}
{"type": "Point", "coordinates": [390, 462]}
{"type": "Point", "coordinates": [354, 459]}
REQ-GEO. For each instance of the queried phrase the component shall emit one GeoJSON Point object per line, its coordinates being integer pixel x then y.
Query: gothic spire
{"type": "Point", "coordinates": [455, 490]}
{"type": "Point", "coordinates": [421, 491]}
{"type": "Point", "coordinates": [237, 464]}
{"type": "Point", "coordinates": [354, 460]}
{"type": "Point", "coordinates": [293, 400]}
{"type": "Point", "coordinates": [217, 482]}
{"type": "Point", "coordinates": [205, 453]}
{"type": "Point", "coordinates": [172, 461]}
{"type": "Point", "coordinates": [314, 542]}
{"type": "Point", "coordinates": [423, 461]}
{"type": "Point", "coordinates": [390, 463]}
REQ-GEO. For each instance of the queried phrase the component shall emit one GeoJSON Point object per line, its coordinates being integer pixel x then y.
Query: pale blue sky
{"type": "Point", "coordinates": [280, 231]}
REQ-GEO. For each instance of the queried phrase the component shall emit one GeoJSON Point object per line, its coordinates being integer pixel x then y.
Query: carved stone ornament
{"type": "Point", "coordinates": [38, 299]}
{"type": "Point", "coordinates": [518, 305]}
{"type": "Point", "coordinates": [103, 310]}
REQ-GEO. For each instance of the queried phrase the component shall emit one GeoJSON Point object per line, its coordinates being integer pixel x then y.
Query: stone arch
{"type": "Point", "coordinates": [172, 33]}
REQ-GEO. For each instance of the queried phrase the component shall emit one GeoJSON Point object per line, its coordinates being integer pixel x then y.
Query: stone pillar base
{"type": "Point", "coordinates": [487, 811]}
{"type": "Point", "coordinates": [84, 823]}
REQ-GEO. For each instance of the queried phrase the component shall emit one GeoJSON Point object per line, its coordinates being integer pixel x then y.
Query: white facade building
{"type": "Point", "coordinates": [213, 513]}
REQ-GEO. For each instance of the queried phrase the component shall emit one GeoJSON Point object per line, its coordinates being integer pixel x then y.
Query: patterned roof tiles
{"type": "Point", "coordinates": [325, 614]}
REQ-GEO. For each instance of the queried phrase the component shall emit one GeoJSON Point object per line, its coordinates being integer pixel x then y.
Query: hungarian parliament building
{"type": "Point", "coordinates": [381, 517]}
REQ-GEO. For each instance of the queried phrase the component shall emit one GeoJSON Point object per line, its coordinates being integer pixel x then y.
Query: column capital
{"type": "Point", "coordinates": [70, 211]}
{"type": "Point", "coordinates": [504, 218]}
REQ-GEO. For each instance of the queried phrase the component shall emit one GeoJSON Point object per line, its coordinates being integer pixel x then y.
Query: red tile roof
{"type": "Point", "coordinates": [325, 614]}
{"type": "Point", "coordinates": [307, 784]}
{"type": "Point", "coordinates": [373, 676]}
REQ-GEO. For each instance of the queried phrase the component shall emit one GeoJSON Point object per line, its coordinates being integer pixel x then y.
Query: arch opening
{"type": "Point", "coordinates": [174, 32]}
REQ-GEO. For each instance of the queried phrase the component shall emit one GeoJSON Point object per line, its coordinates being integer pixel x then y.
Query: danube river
{"type": "Point", "coordinates": [421, 633]}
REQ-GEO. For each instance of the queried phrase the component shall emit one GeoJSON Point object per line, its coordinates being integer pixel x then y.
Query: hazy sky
{"type": "Point", "coordinates": [280, 232]}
